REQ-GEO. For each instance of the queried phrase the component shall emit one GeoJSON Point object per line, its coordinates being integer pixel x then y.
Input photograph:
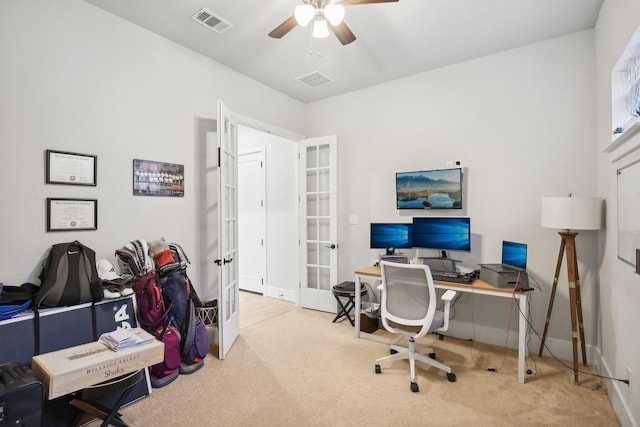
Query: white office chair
{"type": "Point", "coordinates": [409, 309]}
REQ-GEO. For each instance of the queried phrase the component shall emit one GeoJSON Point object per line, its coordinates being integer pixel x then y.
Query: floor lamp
{"type": "Point", "coordinates": [570, 214]}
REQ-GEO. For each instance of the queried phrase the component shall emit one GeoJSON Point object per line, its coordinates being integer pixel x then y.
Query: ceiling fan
{"type": "Point", "coordinates": [325, 14]}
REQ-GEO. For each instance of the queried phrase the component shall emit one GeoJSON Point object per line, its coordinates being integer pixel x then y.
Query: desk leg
{"type": "Point", "coordinates": [522, 336]}
{"type": "Point", "coordinates": [358, 305]}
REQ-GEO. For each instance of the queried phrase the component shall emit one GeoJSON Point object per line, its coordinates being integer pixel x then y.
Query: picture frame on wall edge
{"type": "Point", "coordinates": [63, 167]}
{"type": "Point", "coordinates": [151, 178]}
{"type": "Point", "coordinates": [64, 214]}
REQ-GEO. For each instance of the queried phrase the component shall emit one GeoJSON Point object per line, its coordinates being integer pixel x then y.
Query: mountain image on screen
{"type": "Point", "coordinates": [434, 189]}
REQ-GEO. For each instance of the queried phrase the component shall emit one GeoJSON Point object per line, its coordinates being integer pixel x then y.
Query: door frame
{"type": "Point", "coordinates": [261, 151]}
{"type": "Point", "coordinates": [292, 136]}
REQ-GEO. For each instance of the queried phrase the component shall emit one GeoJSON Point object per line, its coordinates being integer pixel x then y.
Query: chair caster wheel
{"type": "Point", "coordinates": [451, 377]}
{"type": "Point", "coordinates": [414, 387]}
{"type": "Point", "coordinates": [378, 370]}
{"type": "Point", "coordinates": [432, 356]}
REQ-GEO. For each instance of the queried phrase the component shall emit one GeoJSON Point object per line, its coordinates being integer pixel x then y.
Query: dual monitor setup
{"type": "Point", "coordinates": [440, 233]}
{"type": "Point", "coordinates": [448, 234]}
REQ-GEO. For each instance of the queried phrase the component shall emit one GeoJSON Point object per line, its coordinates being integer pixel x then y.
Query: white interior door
{"type": "Point", "coordinates": [227, 261]}
{"type": "Point", "coordinates": [252, 220]}
{"type": "Point", "coordinates": [319, 222]}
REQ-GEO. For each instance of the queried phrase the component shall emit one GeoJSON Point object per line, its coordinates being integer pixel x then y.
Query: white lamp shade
{"type": "Point", "coordinates": [304, 14]}
{"type": "Point", "coordinates": [320, 28]}
{"type": "Point", "coordinates": [334, 13]}
{"type": "Point", "coordinates": [571, 213]}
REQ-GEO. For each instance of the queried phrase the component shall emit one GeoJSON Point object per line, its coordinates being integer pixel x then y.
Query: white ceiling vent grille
{"type": "Point", "coordinates": [211, 21]}
{"type": "Point", "coordinates": [314, 79]}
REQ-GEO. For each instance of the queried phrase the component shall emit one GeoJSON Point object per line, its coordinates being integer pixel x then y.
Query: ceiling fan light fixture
{"type": "Point", "coordinates": [320, 28]}
{"type": "Point", "coordinates": [334, 13]}
{"type": "Point", "coordinates": [304, 14]}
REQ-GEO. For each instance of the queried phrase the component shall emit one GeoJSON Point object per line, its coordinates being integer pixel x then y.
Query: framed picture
{"type": "Point", "coordinates": [72, 214]}
{"type": "Point", "coordinates": [70, 168]}
{"type": "Point", "coordinates": [157, 179]}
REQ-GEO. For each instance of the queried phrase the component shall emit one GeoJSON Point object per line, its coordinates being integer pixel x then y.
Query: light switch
{"type": "Point", "coordinates": [353, 219]}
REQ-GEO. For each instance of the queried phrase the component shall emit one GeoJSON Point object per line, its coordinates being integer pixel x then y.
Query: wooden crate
{"type": "Point", "coordinates": [74, 368]}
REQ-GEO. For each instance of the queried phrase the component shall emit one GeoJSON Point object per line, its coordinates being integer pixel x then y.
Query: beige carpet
{"type": "Point", "coordinates": [294, 367]}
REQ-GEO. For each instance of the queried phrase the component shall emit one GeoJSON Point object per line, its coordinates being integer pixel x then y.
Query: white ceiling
{"type": "Point", "coordinates": [393, 39]}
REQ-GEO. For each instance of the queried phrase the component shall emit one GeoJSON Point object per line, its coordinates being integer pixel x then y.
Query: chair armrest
{"type": "Point", "coordinates": [449, 295]}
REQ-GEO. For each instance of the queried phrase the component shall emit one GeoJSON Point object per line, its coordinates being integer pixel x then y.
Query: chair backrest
{"type": "Point", "coordinates": [408, 298]}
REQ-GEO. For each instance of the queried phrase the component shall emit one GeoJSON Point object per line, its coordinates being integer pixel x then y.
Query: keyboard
{"type": "Point", "coordinates": [445, 273]}
{"type": "Point", "coordinates": [453, 276]}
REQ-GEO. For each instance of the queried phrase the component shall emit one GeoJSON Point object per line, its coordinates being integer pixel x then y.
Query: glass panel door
{"type": "Point", "coordinates": [319, 231]}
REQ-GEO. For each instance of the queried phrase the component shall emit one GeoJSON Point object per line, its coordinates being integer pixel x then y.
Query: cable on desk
{"type": "Point", "coordinates": [535, 369]}
{"type": "Point", "coordinates": [473, 323]}
{"type": "Point", "coordinates": [556, 358]}
{"type": "Point", "coordinates": [532, 280]}
{"type": "Point", "coordinates": [506, 340]}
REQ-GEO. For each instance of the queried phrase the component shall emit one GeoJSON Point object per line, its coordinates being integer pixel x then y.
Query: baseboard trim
{"type": "Point", "coordinates": [616, 394]}
{"type": "Point", "coordinates": [279, 293]}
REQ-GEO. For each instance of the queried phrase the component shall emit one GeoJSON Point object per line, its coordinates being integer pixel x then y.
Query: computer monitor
{"type": "Point", "coordinates": [442, 233]}
{"type": "Point", "coordinates": [514, 254]}
{"type": "Point", "coordinates": [391, 235]}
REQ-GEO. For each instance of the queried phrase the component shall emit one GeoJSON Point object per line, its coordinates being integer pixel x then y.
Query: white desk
{"type": "Point", "coordinates": [478, 287]}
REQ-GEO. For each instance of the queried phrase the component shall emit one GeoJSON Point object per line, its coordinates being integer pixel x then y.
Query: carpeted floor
{"type": "Point", "coordinates": [294, 367]}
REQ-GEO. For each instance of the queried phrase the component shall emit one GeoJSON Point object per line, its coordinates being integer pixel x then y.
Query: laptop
{"type": "Point", "coordinates": [514, 258]}
{"type": "Point", "coordinates": [514, 261]}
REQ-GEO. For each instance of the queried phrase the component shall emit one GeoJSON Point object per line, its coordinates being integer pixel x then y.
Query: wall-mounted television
{"type": "Point", "coordinates": [442, 233]}
{"type": "Point", "coordinates": [429, 189]}
{"type": "Point", "coordinates": [391, 235]}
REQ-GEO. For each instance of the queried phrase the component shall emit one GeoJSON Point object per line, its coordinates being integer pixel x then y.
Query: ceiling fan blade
{"type": "Point", "coordinates": [343, 33]}
{"type": "Point", "coordinates": [282, 29]}
{"type": "Point", "coordinates": [354, 2]}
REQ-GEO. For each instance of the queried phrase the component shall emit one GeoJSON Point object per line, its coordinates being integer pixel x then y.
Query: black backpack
{"type": "Point", "coordinates": [69, 277]}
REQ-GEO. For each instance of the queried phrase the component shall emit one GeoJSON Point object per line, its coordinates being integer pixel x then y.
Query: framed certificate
{"type": "Point", "coordinates": [72, 214]}
{"type": "Point", "coordinates": [70, 168]}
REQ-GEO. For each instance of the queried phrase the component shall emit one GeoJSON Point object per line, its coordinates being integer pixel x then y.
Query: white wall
{"type": "Point", "coordinates": [76, 78]}
{"type": "Point", "coordinates": [619, 292]}
{"type": "Point", "coordinates": [281, 208]}
{"type": "Point", "coordinates": [522, 124]}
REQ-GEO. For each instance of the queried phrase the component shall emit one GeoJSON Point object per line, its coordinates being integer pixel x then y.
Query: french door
{"type": "Point", "coordinates": [227, 258]}
{"type": "Point", "coordinates": [318, 225]}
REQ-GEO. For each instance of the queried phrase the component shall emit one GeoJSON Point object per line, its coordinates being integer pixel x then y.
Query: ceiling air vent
{"type": "Point", "coordinates": [211, 21]}
{"type": "Point", "coordinates": [314, 79]}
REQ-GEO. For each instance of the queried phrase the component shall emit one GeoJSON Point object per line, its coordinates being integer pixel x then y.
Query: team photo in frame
{"type": "Point", "coordinates": [151, 178]}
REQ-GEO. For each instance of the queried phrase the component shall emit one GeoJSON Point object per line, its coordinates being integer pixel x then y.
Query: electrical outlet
{"type": "Point", "coordinates": [629, 377]}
